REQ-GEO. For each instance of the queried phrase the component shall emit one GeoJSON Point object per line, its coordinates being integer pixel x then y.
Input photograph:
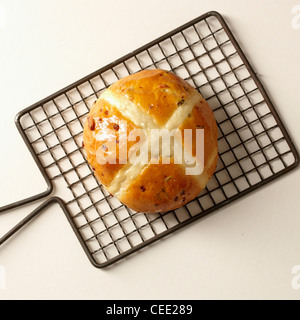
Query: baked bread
{"type": "Point", "coordinates": [150, 99]}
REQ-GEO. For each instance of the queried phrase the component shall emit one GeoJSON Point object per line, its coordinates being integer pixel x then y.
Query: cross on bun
{"type": "Point", "coordinates": [143, 103]}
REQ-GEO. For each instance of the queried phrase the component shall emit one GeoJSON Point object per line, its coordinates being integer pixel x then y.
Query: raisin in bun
{"type": "Point", "coordinates": [150, 99]}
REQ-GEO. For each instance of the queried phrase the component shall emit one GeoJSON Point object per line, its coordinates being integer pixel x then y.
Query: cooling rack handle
{"type": "Point", "coordinates": [30, 217]}
{"type": "Point", "coordinates": [27, 200]}
{"type": "Point", "coordinates": [48, 181]}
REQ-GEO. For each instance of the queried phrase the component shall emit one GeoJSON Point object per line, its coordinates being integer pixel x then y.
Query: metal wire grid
{"type": "Point", "coordinates": [254, 148]}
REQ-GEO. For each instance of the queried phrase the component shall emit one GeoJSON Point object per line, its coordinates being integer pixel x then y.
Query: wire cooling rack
{"type": "Point", "coordinates": [254, 146]}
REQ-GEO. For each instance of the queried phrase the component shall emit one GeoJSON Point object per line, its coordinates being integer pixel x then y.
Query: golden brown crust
{"type": "Point", "coordinates": [202, 117]}
{"type": "Point", "coordinates": [160, 188]}
{"type": "Point", "coordinates": [150, 99]}
{"type": "Point", "coordinates": [157, 92]}
{"type": "Point", "coordinates": [103, 126]}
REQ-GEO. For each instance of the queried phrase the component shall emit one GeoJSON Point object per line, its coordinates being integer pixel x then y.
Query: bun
{"type": "Point", "coordinates": [150, 99]}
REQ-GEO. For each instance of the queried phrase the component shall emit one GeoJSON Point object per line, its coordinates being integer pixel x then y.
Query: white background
{"type": "Point", "coordinates": [245, 251]}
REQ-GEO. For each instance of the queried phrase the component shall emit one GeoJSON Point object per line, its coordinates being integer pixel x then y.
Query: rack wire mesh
{"type": "Point", "coordinates": [254, 146]}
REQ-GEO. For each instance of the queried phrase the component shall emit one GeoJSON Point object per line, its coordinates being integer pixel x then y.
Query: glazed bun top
{"type": "Point", "coordinates": [126, 124]}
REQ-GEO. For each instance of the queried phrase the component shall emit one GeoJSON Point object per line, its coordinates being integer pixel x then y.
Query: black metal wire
{"type": "Point", "coordinates": [107, 230]}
